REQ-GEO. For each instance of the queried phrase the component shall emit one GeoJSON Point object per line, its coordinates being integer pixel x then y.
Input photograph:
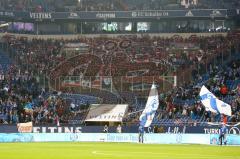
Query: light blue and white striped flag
{"type": "Point", "coordinates": [150, 109]}
{"type": "Point", "coordinates": [213, 104]}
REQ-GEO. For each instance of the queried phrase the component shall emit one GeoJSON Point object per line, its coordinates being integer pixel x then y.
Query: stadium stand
{"type": "Point", "coordinates": [37, 57]}
{"type": "Point", "coordinates": [46, 79]}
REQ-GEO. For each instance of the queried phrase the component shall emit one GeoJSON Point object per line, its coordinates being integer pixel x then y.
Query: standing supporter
{"type": "Point", "coordinates": [140, 134]}
{"type": "Point", "coordinates": [119, 129]}
{"type": "Point", "coordinates": [224, 90]}
{"type": "Point", "coordinates": [105, 129]}
{"type": "Point", "coordinates": [222, 134]}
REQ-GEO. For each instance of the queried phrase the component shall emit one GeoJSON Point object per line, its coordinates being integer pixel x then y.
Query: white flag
{"type": "Point", "coordinates": [213, 104]}
{"type": "Point", "coordinates": [150, 109]}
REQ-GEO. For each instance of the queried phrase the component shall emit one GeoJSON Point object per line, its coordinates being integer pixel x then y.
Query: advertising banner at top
{"type": "Point", "coordinates": [104, 15]}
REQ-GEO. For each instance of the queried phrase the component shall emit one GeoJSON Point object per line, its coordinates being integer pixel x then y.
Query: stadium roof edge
{"type": "Point", "coordinates": [73, 36]}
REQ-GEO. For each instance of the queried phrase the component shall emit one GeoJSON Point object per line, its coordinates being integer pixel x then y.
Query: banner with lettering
{"type": "Point", "coordinates": [76, 128]}
{"type": "Point", "coordinates": [106, 112]}
{"type": "Point", "coordinates": [96, 15]}
{"type": "Point", "coordinates": [25, 127]}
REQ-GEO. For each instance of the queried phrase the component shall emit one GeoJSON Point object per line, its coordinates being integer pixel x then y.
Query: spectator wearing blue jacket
{"type": "Point", "coordinates": [222, 134]}
{"type": "Point", "coordinates": [140, 133]}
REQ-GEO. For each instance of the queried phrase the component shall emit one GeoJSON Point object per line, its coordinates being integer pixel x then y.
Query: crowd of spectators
{"type": "Point", "coordinates": [22, 99]}
{"type": "Point", "coordinates": [130, 57]}
{"type": "Point", "coordinates": [112, 5]}
{"type": "Point", "coordinates": [182, 105]}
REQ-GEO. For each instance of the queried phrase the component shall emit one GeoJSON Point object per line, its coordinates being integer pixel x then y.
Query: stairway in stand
{"type": "Point", "coordinates": [5, 62]}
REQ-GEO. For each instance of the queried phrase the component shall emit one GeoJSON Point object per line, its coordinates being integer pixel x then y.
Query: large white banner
{"type": "Point", "coordinates": [107, 112]}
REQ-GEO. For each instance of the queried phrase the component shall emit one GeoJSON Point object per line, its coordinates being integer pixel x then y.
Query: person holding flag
{"type": "Point", "coordinates": [222, 134]}
{"type": "Point", "coordinates": [213, 104]}
{"type": "Point", "coordinates": [148, 113]}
